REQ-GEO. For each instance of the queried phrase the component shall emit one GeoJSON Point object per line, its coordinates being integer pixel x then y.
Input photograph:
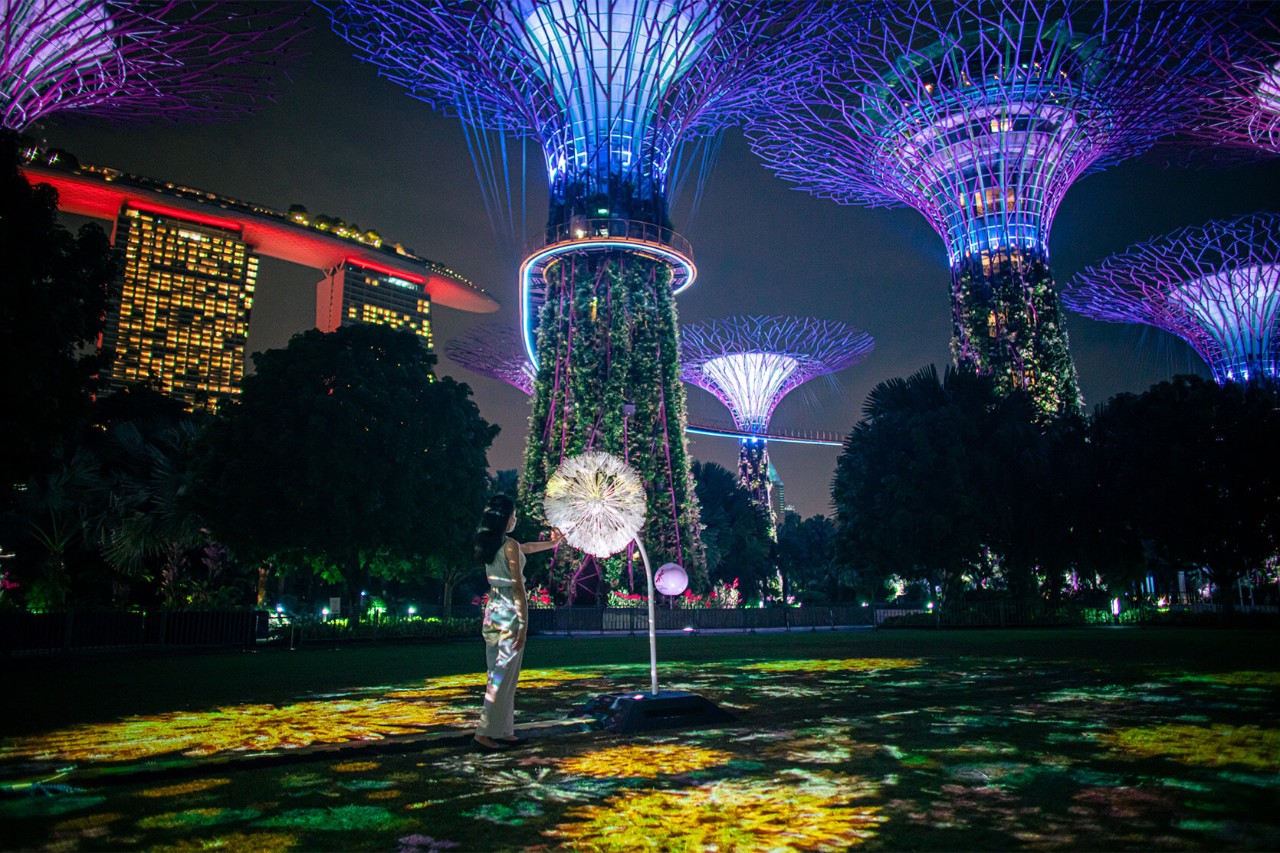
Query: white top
{"type": "Point", "coordinates": [499, 570]}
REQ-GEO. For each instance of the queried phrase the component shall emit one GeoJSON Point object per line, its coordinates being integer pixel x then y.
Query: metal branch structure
{"type": "Point", "coordinates": [1216, 286]}
{"type": "Point", "coordinates": [493, 350]}
{"type": "Point", "coordinates": [751, 363]}
{"type": "Point", "coordinates": [608, 89]}
{"type": "Point", "coordinates": [981, 114]}
{"type": "Point", "coordinates": [196, 60]}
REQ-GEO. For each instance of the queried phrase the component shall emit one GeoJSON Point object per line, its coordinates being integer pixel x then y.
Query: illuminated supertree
{"type": "Point", "coordinates": [493, 350]}
{"type": "Point", "coordinates": [1216, 286]}
{"type": "Point", "coordinates": [751, 363]}
{"type": "Point", "coordinates": [981, 114]}
{"type": "Point", "coordinates": [609, 89]}
{"type": "Point", "coordinates": [126, 60]}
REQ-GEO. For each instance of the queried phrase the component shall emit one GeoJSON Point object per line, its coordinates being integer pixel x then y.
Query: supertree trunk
{"type": "Point", "coordinates": [753, 474]}
{"type": "Point", "coordinates": [607, 342]}
{"type": "Point", "coordinates": [1007, 322]}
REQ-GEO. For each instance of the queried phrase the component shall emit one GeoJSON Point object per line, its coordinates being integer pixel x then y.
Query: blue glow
{"type": "Point", "coordinates": [785, 439]}
{"type": "Point", "coordinates": [533, 272]}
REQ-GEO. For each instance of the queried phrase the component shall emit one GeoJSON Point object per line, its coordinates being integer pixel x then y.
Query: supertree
{"type": "Point", "coordinates": [129, 60]}
{"type": "Point", "coordinates": [609, 89]}
{"type": "Point", "coordinates": [981, 114]}
{"type": "Point", "coordinates": [493, 350]}
{"type": "Point", "coordinates": [751, 363]}
{"type": "Point", "coordinates": [1216, 286]}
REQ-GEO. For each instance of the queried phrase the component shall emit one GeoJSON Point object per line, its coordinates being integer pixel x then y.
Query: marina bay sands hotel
{"type": "Point", "coordinates": [179, 316]}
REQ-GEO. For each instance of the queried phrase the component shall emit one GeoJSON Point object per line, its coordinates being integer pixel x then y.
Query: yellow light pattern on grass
{"type": "Point", "coordinates": [1243, 678]}
{"type": "Point", "coordinates": [184, 788]}
{"type": "Point", "coordinates": [844, 665]}
{"type": "Point", "coordinates": [250, 842]}
{"type": "Point", "coordinates": [242, 728]}
{"type": "Point", "coordinates": [1200, 745]}
{"type": "Point", "coordinates": [644, 761]}
{"type": "Point", "coordinates": [355, 766]}
{"type": "Point", "coordinates": [461, 686]}
{"type": "Point", "coordinates": [738, 815]}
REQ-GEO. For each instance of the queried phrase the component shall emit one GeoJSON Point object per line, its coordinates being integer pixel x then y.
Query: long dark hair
{"type": "Point", "coordinates": [493, 528]}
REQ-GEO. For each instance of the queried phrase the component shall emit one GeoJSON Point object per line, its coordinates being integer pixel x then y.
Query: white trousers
{"type": "Point", "coordinates": [497, 717]}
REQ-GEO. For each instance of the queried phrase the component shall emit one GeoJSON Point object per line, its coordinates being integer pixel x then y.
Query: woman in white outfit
{"type": "Point", "coordinates": [506, 619]}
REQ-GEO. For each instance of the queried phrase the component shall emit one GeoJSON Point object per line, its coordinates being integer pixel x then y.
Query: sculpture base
{"type": "Point", "coordinates": [637, 712]}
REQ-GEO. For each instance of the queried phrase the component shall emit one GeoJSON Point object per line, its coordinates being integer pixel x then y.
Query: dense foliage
{"type": "Point", "coordinates": [949, 483]}
{"type": "Point", "coordinates": [347, 454]}
{"type": "Point", "coordinates": [735, 532]}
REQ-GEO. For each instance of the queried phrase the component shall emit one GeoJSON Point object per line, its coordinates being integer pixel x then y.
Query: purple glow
{"type": "Point", "coordinates": [606, 87]}
{"type": "Point", "coordinates": [751, 363]}
{"type": "Point", "coordinates": [1216, 286]}
{"type": "Point", "coordinates": [980, 114]}
{"type": "Point", "coordinates": [493, 350]}
{"type": "Point", "coordinates": [202, 60]}
{"type": "Point", "coordinates": [1241, 83]}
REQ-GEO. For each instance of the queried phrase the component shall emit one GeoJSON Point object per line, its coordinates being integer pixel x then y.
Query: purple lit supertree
{"type": "Point", "coordinates": [609, 89]}
{"type": "Point", "coordinates": [751, 363]}
{"type": "Point", "coordinates": [122, 60]}
{"type": "Point", "coordinates": [981, 114]}
{"type": "Point", "coordinates": [493, 350]}
{"type": "Point", "coordinates": [1216, 286]}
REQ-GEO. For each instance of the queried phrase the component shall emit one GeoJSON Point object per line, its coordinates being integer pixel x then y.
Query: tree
{"type": "Point", "coordinates": [1199, 465]}
{"type": "Point", "coordinates": [735, 532]}
{"type": "Point", "coordinates": [346, 450]}
{"type": "Point", "coordinates": [807, 558]}
{"type": "Point", "coordinates": [53, 293]}
{"type": "Point", "coordinates": [910, 485]}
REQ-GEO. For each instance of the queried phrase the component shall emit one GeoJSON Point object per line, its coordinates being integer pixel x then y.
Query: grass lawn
{"type": "Point", "coordinates": [1048, 739]}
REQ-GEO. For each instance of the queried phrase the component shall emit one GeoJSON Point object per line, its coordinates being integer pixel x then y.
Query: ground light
{"type": "Point", "coordinates": [597, 501]}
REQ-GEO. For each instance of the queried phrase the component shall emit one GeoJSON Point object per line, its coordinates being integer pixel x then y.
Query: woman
{"type": "Point", "coordinates": [506, 619]}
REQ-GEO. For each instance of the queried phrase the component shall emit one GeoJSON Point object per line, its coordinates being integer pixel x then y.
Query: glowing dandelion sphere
{"type": "Point", "coordinates": [597, 501]}
{"type": "Point", "coordinates": [1216, 286]}
{"type": "Point", "coordinates": [671, 579]}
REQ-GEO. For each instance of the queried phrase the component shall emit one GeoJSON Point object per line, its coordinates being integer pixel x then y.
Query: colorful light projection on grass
{"type": "Point", "coordinates": [1216, 286]}
{"type": "Point", "coordinates": [981, 115]}
{"type": "Point", "coordinates": [493, 350]}
{"type": "Point", "coordinates": [816, 813]}
{"type": "Point", "coordinates": [173, 59]}
{"type": "Point", "coordinates": [751, 363]}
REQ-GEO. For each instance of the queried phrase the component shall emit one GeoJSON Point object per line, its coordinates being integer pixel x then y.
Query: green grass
{"type": "Point", "coordinates": [1050, 739]}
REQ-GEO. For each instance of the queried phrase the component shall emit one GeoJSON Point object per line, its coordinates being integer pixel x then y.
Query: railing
{"type": "Point", "coordinates": [620, 229]}
{"type": "Point", "coordinates": [800, 436]}
{"type": "Point", "coordinates": [83, 630]}
{"type": "Point", "coordinates": [635, 620]}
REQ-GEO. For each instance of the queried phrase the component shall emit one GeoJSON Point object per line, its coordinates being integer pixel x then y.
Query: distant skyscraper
{"type": "Point", "coordinates": [353, 293]}
{"type": "Point", "coordinates": [179, 316]}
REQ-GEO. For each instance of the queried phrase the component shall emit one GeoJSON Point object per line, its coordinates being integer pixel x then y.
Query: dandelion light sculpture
{"type": "Point", "coordinates": [597, 502]}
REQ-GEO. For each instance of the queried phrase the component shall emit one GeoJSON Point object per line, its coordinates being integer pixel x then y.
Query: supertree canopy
{"type": "Point", "coordinates": [981, 114]}
{"type": "Point", "coordinates": [126, 60]}
{"type": "Point", "coordinates": [1216, 286]}
{"type": "Point", "coordinates": [1242, 82]}
{"type": "Point", "coordinates": [751, 363]}
{"type": "Point", "coordinates": [493, 350]}
{"type": "Point", "coordinates": [608, 88]}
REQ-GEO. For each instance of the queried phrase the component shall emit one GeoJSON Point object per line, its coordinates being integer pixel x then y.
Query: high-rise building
{"type": "Point", "coordinates": [179, 316]}
{"type": "Point", "coordinates": [352, 293]}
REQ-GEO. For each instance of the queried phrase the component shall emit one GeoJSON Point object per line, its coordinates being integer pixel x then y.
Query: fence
{"type": "Point", "coordinates": [83, 630]}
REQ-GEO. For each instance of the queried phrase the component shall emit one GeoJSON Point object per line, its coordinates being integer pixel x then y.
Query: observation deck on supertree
{"type": "Point", "coordinates": [1216, 286]}
{"type": "Point", "coordinates": [981, 114]}
{"type": "Point", "coordinates": [609, 89]}
{"type": "Point", "coordinates": [129, 60]}
{"type": "Point", "coordinates": [493, 350]}
{"type": "Point", "coordinates": [751, 363]}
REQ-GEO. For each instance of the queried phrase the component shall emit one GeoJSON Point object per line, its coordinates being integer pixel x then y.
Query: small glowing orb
{"type": "Point", "coordinates": [671, 579]}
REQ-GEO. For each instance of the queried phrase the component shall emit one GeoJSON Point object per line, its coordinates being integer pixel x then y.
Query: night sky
{"type": "Point", "coordinates": [341, 141]}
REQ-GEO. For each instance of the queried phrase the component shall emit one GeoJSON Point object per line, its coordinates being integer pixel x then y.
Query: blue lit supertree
{"type": "Point", "coordinates": [751, 363]}
{"type": "Point", "coordinates": [493, 350]}
{"type": "Point", "coordinates": [609, 89]}
{"type": "Point", "coordinates": [1216, 286]}
{"type": "Point", "coordinates": [981, 114]}
{"type": "Point", "coordinates": [121, 60]}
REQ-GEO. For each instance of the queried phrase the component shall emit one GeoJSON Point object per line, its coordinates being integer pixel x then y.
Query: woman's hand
{"type": "Point", "coordinates": [556, 536]}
